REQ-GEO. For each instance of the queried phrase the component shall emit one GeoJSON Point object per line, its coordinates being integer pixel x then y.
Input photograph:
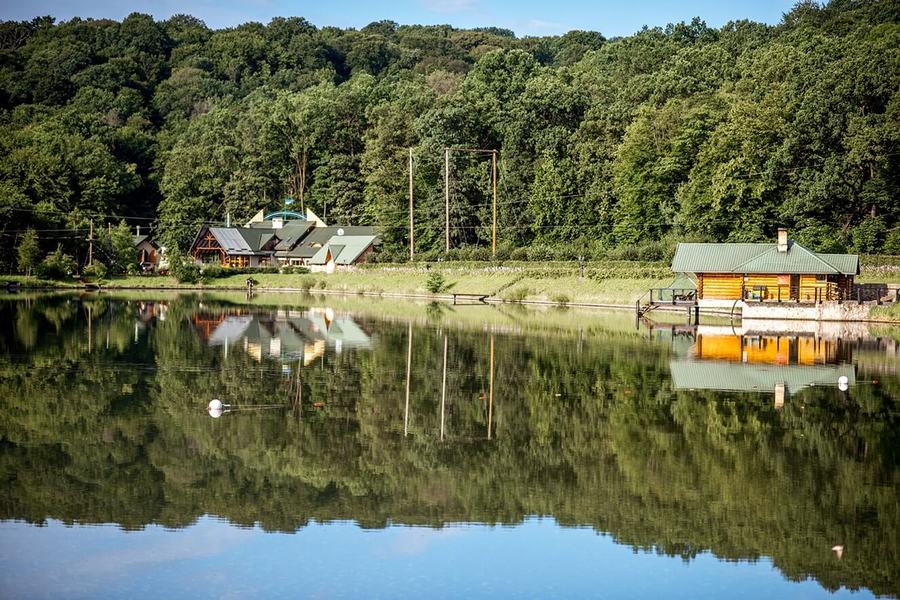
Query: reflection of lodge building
{"type": "Point", "coordinates": [769, 363]}
{"type": "Point", "coordinates": [286, 335]}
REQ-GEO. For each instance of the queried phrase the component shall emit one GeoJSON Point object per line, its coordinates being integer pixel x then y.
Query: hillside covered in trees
{"type": "Point", "coordinates": [682, 132]}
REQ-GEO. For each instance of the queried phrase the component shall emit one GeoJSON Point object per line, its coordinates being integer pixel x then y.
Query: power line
{"type": "Point", "coordinates": [88, 214]}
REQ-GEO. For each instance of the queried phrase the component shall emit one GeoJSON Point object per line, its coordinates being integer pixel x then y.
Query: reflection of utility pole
{"type": "Point", "coordinates": [408, 365]}
{"type": "Point", "coordinates": [447, 198]}
{"type": "Point", "coordinates": [491, 391]}
{"type": "Point", "coordinates": [298, 397]}
{"type": "Point", "coordinates": [444, 388]}
{"type": "Point", "coordinates": [411, 234]}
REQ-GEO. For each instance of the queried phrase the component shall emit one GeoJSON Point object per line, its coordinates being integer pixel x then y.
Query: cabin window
{"type": "Point", "coordinates": [821, 277]}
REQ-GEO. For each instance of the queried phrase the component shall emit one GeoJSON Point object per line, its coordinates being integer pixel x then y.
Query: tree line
{"type": "Point", "coordinates": [607, 147]}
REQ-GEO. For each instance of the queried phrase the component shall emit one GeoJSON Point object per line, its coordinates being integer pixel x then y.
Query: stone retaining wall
{"type": "Point", "coordinates": [827, 311]}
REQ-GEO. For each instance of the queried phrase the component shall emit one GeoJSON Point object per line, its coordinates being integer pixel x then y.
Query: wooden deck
{"type": "Point", "coordinates": [657, 297]}
{"type": "Point", "coordinates": [479, 298]}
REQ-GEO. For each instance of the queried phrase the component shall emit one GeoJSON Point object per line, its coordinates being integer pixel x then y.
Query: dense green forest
{"type": "Point", "coordinates": [104, 422]}
{"type": "Point", "coordinates": [681, 132]}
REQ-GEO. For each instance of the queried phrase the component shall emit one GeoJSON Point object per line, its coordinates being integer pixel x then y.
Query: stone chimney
{"type": "Point", "coordinates": [782, 240]}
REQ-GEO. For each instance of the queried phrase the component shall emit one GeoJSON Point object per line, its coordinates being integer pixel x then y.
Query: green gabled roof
{"type": "Point", "coordinates": [746, 377]}
{"type": "Point", "coordinates": [848, 264]}
{"type": "Point", "coordinates": [336, 250]}
{"type": "Point", "coordinates": [760, 258]}
{"type": "Point", "coordinates": [291, 234]}
{"type": "Point", "coordinates": [345, 249]}
{"type": "Point", "coordinates": [256, 238]}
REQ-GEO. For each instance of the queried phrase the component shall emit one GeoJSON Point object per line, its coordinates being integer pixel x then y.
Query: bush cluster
{"type": "Point", "coordinates": [57, 265]}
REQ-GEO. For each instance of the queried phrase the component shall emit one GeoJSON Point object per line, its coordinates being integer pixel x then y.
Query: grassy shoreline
{"type": "Point", "coordinates": [562, 290]}
{"type": "Point", "coordinates": [608, 283]}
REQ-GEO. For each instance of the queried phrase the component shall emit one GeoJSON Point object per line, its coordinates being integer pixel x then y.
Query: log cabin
{"type": "Point", "coordinates": [781, 272]}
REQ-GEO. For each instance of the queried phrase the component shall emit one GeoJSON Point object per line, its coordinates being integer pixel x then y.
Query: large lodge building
{"type": "Point", "coordinates": [285, 238]}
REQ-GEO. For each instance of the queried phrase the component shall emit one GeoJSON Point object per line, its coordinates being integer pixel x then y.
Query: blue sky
{"type": "Point", "coordinates": [212, 559]}
{"type": "Point", "coordinates": [525, 17]}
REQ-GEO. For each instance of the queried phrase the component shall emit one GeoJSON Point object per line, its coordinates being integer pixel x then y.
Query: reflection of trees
{"type": "Point", "coordinates": [590, 433]}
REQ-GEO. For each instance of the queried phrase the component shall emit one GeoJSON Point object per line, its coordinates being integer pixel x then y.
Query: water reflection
{"type": "Point", "coordinates": [476, 416]}
{"type": "Point", "coordinates": [286, 335]}
{"type": "Point", "coordinates": [775, 363]}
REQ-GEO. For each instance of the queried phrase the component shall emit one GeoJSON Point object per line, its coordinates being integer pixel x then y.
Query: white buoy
{"type": "Point", "coordinates": [843, 383]}
{"type": "Point", "coordinates": [215, 404]}
{"type": "Point", "coordinates": [215, 413]}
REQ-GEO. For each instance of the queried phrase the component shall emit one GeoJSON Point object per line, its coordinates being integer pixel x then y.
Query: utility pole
{"type": "Point", "coordinates": [411, 234]}
{"type": "Point", "coordinates": [447, 198]}
{"type": "Point", "coordinates": [494, 203]}
{"type": "Point", "coordinates": [482, 151]}
{"type": "Point", "coordinates": [91, 245]}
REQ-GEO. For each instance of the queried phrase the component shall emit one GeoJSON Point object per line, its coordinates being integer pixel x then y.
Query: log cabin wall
{"type": "Point", "coordinates": [720, 286]}
{"type": "Point", "coordinates": [773, 284]}
{"type": "Point", "coordinates": [728, 286]}
{"type": "Point", "coordinates": [779, 350]}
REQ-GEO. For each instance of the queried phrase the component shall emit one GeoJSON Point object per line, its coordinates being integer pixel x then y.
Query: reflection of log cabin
{"type": "Point", "coordinates": [780, 272]}
{"type": "Point", "coordinates": [234, 246]}
{"type": "Point", "coordinates": [726, 376]}
{"type": "Point", "coordinates": [775, 364]}
{"type": "Point", "coordinates": [776, 350]}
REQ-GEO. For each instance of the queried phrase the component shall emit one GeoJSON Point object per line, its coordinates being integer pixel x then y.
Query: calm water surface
{"type": "Point", "coordinates": [383, 449]}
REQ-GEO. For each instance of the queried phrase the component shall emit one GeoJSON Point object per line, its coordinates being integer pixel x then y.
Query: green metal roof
{"type": "Point", "coordinates": [746, 377]}
{"type": "Point", "coordinates": [316, 239]}
{"type": "Point", "coordinates": [291, 234]}
{"type": "Point", "coordinates": [256, 238]}
{"type": "Point", "coordinates": [847, 264]}
{"type": "Point", "coordinates": [760, 258]}
{"type": "Point", "coordinates": [345, 249]}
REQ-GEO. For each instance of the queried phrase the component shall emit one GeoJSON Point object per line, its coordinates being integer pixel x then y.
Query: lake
{"type": "Point", "coordinates": [382, 448]}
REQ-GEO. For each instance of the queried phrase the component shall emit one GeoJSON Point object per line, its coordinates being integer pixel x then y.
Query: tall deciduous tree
{"type": "Point", "coordinates": [29, 251]}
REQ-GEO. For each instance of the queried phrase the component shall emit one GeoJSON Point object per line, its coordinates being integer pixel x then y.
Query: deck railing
{"type": "Point", "coordinates": [673, 296]}
{"type": "Point", "coordinates": [828, 292]}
